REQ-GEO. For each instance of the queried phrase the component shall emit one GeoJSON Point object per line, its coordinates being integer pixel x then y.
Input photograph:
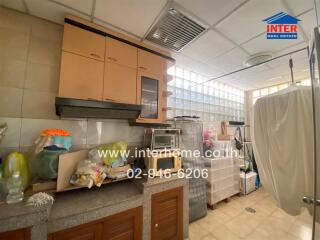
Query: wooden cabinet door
{"type": "Point", "coordinates": [149, 95]}
{"type": "Point", "coordinates": [80, 77]}
{"type": "Point", "coordinates": [83, 42]}
{"type": "Point", "coordinates": [21, 234]}
{"type": "Point", "coordinates": [124, 226]}
{"type": "Point", "coordinates": [82, 232]}
{"type": "Point", "coordinates": [120, 83]}
{"type": "Point", "coordinates": [150, 62]}
{"type": "Point", "coordinates": [121, 53]}
{"type": "Point", "coordinates": [167, 215]}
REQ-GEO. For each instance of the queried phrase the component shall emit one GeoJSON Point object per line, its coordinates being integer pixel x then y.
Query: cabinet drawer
{"type": "Point", "coordinates": [80, 77]}
{"type": "Point", "coordinates": [121, 53]}
{"type": "Point", "coordinates": [150, 62]}
{"type": "Point", "coordinates": [120, 83]}
{"type": "Point", "coordinates": [83, 42]}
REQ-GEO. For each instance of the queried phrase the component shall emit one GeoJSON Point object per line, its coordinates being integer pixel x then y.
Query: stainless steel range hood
{"type": "Point", "coordinates": [76, 108]}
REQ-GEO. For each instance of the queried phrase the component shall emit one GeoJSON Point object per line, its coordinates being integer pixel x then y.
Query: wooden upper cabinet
{"type": "Point", "coordinates": [149, 95]}
{"type": "Point", "coordinates": [20, 234]}
{"type": "Point", "coordinates": [120, 83]}
{"type": "Point", "coordinates": [124, 226]}
{"type": "Point", "coordinates": [150, 62]}
{"type": "Point", "coordinates": [80, 77]}
{"type": "Point", "coordinates": [83, 42]}
{"type": "Point", "coordinates": [121, 53]}
{"type": "Point", "coordinates": [83, 232]}
{"type": "Point", "coordinates": [167, 215]}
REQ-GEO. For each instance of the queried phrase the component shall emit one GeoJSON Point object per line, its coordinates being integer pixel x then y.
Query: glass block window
{"type": "Point", "coordinates": [269, 90]}
{"type": "Point", "coordinates": [212, 101]}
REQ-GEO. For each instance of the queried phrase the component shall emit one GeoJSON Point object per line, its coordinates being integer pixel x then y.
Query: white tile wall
{"type": "Point", "coordinates": [104, 131]}
{"type": "Point", "coordinates": [22, 132]}
{"type": "Point", "coordinates": [12, 135]}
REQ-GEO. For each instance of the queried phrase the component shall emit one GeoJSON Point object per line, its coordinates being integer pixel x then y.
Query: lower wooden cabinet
{"type": "Point", "coordinates": [21, 234]}
{"type": "Point", "coordinates": [122, 226]}
{"type": "Point", "coordinates": [91, 231]}
{"type": "Point", "coordinates": [167, 215]}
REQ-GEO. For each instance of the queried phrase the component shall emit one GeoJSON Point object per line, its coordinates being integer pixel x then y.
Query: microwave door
{"type": "Point", "coordinates": [165, 163]}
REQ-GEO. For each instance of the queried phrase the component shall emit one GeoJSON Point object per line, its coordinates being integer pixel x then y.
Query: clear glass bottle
{"type": "Point", "coordinates": [15, 188]}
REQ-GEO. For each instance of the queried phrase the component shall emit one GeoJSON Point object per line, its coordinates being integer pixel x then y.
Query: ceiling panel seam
{"type": "Point", "coordinates": [289, 10]}
{"type": "Point", "coordinates": [24, 2]}
{"type": "Point", "coordinates": [93, 9]}
{"type": "Point", "coordinates": [71, 8]}
{"type": "Point", "coordinates": [231, 12]}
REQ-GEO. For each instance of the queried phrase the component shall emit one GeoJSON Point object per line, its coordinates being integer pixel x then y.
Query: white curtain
{"type": "Point", "coordinates": [283, 145]}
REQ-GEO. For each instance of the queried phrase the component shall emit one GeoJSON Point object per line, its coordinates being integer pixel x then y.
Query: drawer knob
{"type": "Point", "coordinates": [156, 225]}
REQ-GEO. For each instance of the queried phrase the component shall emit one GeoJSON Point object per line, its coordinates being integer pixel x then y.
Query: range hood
{"type": "Point", "coordinates": [76, 108]}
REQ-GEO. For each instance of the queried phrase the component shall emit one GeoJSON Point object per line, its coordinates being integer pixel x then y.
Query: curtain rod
{"type": "Point", "coordinates": [245, 68]}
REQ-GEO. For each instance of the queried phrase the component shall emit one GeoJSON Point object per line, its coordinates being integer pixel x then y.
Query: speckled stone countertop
{"type": "Point", "coordinates": [84, 200]}
{"type": "Point", "coordinates": [81, 206]}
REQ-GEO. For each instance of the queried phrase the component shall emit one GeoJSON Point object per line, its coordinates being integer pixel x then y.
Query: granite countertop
{"type": "Point", "coordinates": [159, 180]}
{"type": "Point", "coordinates": [84, 200]}
{"type": "Point", "coordinates": [19, 209]}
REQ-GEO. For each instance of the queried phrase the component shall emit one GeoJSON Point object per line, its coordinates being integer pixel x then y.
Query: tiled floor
{"type": "Point", "coordinates": [230, 221]}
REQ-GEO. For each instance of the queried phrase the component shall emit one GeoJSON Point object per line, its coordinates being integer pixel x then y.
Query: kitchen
{"type": "Point", "coordinates": [78, 80]}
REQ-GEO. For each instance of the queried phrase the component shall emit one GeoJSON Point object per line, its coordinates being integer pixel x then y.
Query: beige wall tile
{"type": "Point", "coordinates": [42, 77]}
{"type": "Point", "coordinates": [31, 128]}
{"type": "Point", "coordinates": [10, 102]}
{"type": "Point", "coordinates": [46, 30]}
{"type": "Point", "coordinates": [12, 135]}
{"type": "Point", "coordinates": [13, 44]}
{"type": "Point", "coordinates": [12, 72]}
{"type": "Point", "coordinates": [14, 20]}
{"type": "Point", "coordinates": [44, 51]}
{"type": "Point", "coordinates": [38, 105]}
{"type": "Point", "coordinates": [110, 130]}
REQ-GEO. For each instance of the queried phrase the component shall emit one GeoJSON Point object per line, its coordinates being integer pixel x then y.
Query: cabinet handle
{"type": "Point", "coordinates": [109, 99]}
{"type": "Point", "coordinates": [95, 55]}
{"type": "Point", "coordinates": [93, 99]}
{"type": "Point", "coordinates": [143, 68]}
{"type": "Point", "coordinates": [112, 59]}
{"type": "Point", "coordinates": [156, 225]}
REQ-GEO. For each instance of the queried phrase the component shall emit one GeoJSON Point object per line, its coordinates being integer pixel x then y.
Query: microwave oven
{"type": "Point", "coordinates": [164, 141]}
{"type": "Point", "coordinates": [164, 161]}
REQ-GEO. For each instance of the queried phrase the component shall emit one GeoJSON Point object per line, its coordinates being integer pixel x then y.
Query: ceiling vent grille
{"type": "Point", "coordinates": [174, 30]}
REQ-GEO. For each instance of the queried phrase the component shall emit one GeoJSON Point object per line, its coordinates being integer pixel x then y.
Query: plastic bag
{"type": "Point", "coordinates": [88, 173]}
{"type": "Point", "coordinates": [109, 153]}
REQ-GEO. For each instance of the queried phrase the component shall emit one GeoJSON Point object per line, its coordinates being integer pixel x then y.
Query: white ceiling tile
{"type": "Point", "coordinates": [14, 4]}
{"type": "Point", "coordinates": [230, 61]}
{"type": "Point", "coordinates": [51, 11]}
{"type": "Point", "coordinates": [246, 22]}
{"type": "Point", "coordinates": [308, 22]}
{"type": "Point", "coordinates": [133, 16]}
{"type": "Point", "coordinates": [262, 44]}
{"type": "Point", "coordinates": [209, 45]}
{"type": "Point", "coordinates": [302, 55]}
{"type": "Point", "coordinates": [299, 6]}
{"type": "Point", "coordinates": [202, 68]}
{"type": "Point", "coordinates": [210, 11]}
{"type": "Point", "coordinates": [84, 6]}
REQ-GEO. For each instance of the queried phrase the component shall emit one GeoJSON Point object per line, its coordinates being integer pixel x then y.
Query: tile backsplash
{"type": "Point", "coordinates": [30, 51]}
